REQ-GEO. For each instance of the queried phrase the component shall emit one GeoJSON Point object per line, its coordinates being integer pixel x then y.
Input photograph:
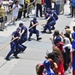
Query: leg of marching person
{"type": "Point", "coordinates": [37, 35]}
{"type": "Point", "coordinates": [13, 47]}
{"type": "Point", "coordinates": [30, 34]}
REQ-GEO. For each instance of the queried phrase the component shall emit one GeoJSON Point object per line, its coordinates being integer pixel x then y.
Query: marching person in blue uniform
{"type": "Point", "coordinates": [49, 11]}
{"type": "Point", "coordinates": [23, 35]}
{"type": "Point", "coordinates": [48, 4]}
{"type": "Point", "coordinates": [50, 22]}
{"type": "Point", "coordinates": [14, 44]}
{"type": "Point", "coordinates": [32, 29]}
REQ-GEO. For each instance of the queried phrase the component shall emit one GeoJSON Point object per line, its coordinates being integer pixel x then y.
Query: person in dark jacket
{"type": "Point", "coordinates": [48, 4]}
{"type": "Point", "coordinates": [50, 22]}
{"type": "Point", "coordinates": [32, 29]}
{"type": "Point", "coordinates": [14, 44]}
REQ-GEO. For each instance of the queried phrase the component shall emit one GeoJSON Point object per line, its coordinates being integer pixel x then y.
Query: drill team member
{"type": "Point", "coordinates": [49, 11]}
{"type": "Point", "coordinates": [14, 44]}
{"type": "Point", "coordinates": [50, 22]}
{"type": "Point", "coordinates": [23, 35]}
{"type": "Point", "coordinates": [32, 29]}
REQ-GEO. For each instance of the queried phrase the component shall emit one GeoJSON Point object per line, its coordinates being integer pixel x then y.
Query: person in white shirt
{"type": "Point", "coordinates": [67, 53]}
{"type": "Point", "coordinates": [15, 9]}
{"type": "Point", "coordinates": [21, 3]}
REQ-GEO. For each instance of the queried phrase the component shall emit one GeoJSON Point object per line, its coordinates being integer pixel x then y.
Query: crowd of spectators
{"type": "Point", "coordinates": [61, 60]}
{"type": "Point", "coordinates": [23, 8]}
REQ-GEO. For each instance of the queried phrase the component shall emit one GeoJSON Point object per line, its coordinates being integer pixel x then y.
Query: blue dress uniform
{"type": "Point", "coordinates": [49, 11]}
{"type": "Point", "coordinates": [23, 36]}
{"type": "Point", "coordinates": [14, 45]}
{"type": "Point", "coordinates": [33, 29]}
{"type": "Point", "coordinates": [50, 22]}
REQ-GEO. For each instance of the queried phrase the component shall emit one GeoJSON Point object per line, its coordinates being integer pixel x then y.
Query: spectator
{"type": "Point", "coordinates": [21, 3]}
{"type": "Point", "coordinates": [56, 37]}
{"type": "Point", "coordinates": [38, 7]}
{"type": "Point", "coordinates": [58, 2]}
{"type": "Point", "coordinates": [48, 70]}
{"type": "Point", "coordinates": [2, 10]}
{"type": "Point", "coordinates": [73, 51]}
{"type": "Point", "coordinates": [73, 7]}
{"type": "Point", "coordinates": [39, 69]}
{"type": "Point", "coordinates": [48, 4]}
{"type": "Point", "coordinates": [26, 8]}
{"type": "Point", "coordinates": [59, 56]}
{"type": "Point", "coordinates": [62, 7]}
{"type": "Point", "coordinates": [15, 9]}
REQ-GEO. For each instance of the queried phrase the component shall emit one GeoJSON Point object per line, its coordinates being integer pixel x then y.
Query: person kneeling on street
{"type": "Point", "coordinates": [32, 29]}
{"type": "Point", "coordinates": [50, 22]}
{"type": "Point", "coordinates": [15, 46]}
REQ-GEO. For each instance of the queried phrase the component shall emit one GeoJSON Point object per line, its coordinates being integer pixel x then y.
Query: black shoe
{"type": "Point", "coordinates": [43, 31]}
{"type": "Point", "coordinates": [7, 59]}
{"type": "Point", "coordinates": [37, 16]}
{"type": "Point", "coordinates": [71, 15]}
{"type": "Point", "coordinates": [16, 57]}
{"type": "Point", "coordinates": [52, 28]}
{"type": "Point", "coordinates": [39, 39]}
{"type": "Point", "coordinates": [24, 49]}
{"type": "Point", "coordinates": [40, 16]}
{"type": "Point", "coordinates": [28, 17]}
{"type": "Point", "coordinates": [29, 39]}
{"type": "Point", "coordinates": [1, 30]}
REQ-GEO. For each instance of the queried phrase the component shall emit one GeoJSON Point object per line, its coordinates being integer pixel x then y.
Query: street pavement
{"type": "Point", "coordinates": [36, 50]}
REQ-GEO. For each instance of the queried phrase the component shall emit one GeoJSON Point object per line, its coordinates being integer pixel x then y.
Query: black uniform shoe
{"type": "Point", "coordinates": [1, 30]}
{"type": "Point", "coordinates": [39, 39]}
{"type": "Point", "coordinates": [24, 48]}
{"type": "Point", "coordinates": [29, 39]}
{"type": "Point", "coordinates": [43, 31]}
{"type": "Point", "coordinates": [7, 59]}
{"type": "Point", "coordinates": [16, 57]}
{"type": "Point", "coordinates": [28, 17]}
{"type": "Point", "coordinates": [53, 28]}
